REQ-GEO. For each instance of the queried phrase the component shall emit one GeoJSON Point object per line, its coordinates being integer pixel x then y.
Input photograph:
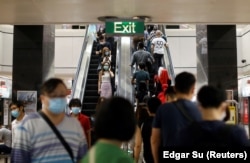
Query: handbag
{"type": "Point", "coordinates": [60, 137]}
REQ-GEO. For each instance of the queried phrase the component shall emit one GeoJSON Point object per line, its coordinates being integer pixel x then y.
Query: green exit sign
{"type": "Point", "coordinates": [124, 27]}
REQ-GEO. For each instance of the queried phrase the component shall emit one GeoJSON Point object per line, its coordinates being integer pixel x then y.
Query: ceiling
{"type": "Point", "coordinates": [27, 12]}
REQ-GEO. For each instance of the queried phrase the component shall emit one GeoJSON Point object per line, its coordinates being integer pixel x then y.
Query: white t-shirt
{"type": "Point", "coordinates": [14, 125]}
{"type": "Point", "coordinates": [5, 136]}
{"type": "Point", "coordinates": [159, 44]}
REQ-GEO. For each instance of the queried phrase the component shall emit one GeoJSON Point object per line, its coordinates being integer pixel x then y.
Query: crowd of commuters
{"type": "Point", "coordinates": [169, 118]}
{"type": "Point", "coordinates": [154, 126]}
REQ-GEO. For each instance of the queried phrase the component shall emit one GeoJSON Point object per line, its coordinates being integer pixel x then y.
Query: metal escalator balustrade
{"type": "Point", "coordinates": [167, 60]}
{"type": "Point", "coordinates": [124, 86]}
{"type": "Point", "coordinates": [79, 82]}
{"type": "Point", "coordinates": [91, 90]}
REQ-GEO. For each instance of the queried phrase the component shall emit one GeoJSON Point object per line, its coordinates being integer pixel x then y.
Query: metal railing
{"type": "Point", "coordinates": [80, 78]}
{"type": "Point", "coordinates": [167, 60]}
{"type": "Point", "coordinates": [124, 87]}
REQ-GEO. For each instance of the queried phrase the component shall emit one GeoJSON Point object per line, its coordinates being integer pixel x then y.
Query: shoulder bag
{"type": "Point", "coordinates": [60, 137]}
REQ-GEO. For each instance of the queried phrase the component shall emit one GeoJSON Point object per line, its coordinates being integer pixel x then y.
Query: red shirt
{"type": "Point", "coordinates": [85, 122]}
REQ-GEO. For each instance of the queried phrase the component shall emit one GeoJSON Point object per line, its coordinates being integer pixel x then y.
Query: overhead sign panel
{"type": "Point", "coordinates": [124, 27]}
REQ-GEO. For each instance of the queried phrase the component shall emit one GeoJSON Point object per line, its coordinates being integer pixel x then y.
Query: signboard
{"type": "Point", "coordinates": [124, 27]}
{"type": "Point", "coordinates": [232, 119]}
{"type": "Point", "coordinates": [29, 98]}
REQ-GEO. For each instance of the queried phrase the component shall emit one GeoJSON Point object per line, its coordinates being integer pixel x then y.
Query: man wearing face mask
{"type": "Point", "coordinates": [76, 107]}
{"type": "Point", "coordinates": [212, 132]}
{"type": "Point", "coordinates": [35, 141]}
{"type": "Point", "coordinates": [17, 111]}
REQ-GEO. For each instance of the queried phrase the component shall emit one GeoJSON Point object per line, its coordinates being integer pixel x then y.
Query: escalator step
{"type": "Point", "coordinates": [92, 87]}
{"type": "Point", "coordinates": [93, 66]}
{"type": "Point", "coordinates": [88, 106]}
{"type": "Point", "coordinates": [93, 76]}
{"type": "Point", "coordinates": [92, 81]}
{"type": "Point", "coordinates": [93, 71]}
{"type": "Point", "coordinates": [91, 93]}
{"type": "Point", "coordinates": [90, 99]}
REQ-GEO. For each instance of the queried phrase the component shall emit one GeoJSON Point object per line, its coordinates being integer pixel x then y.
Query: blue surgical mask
{"type": "Point", "coordinates": [15, 113]}
{"type": "Point", "coordinates": [76, 110]}
{"type": "Point", "coordinates": [57, 105]}
{"type": "Point", "coordinates": [105, 67]}
{"type": "Point", "coordinates": [106, 53]}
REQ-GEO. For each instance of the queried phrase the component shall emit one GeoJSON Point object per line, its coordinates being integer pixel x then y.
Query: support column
{"type": "Point", "coordinates": [217, 56]}
{"type": "Point", "coordinates": [33, 57]}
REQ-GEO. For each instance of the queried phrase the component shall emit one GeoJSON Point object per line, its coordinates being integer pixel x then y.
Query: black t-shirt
{"type": "Point", "coordinates": [213, 134]}
{"type": "Point", "coordinates": [100, 46]}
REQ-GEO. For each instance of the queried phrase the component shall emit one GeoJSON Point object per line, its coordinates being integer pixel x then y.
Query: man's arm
{"type": "Point", "coordinates": [133, 80]}
{"type": "Point", "coordinates": [166, 44]}
{"type": "Point", "coordinates": [88, 131]}
{"type": "Point", "coordinates": [133, 60]}
{"type": "Point", "coordinates": [152, 48]}
{"type": "Point", "coordinates": [155, 143]}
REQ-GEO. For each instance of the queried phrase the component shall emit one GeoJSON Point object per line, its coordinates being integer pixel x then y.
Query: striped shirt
{"type": "Point", "coordinates": [36, 142]}
{"type": "Point", "coordinates": [14, 125]}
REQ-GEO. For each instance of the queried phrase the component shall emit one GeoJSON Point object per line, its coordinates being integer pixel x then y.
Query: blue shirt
{"type": "Point", "coordinates": [171, 121]}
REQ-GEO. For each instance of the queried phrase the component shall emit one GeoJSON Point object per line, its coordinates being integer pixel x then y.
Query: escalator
{"type": "Point", "coordinates": [85, 71]}
{"type": "Point", "coordinates": [85, 85]}
{"type": "Point", "coordinates": [91, 95]}
{"type": "Point", "coordinates": [91, 89]}
{"type": "Point", "coordinates": [166, 63]}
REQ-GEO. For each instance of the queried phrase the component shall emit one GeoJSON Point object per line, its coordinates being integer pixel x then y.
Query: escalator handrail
{"type": "Point", "coordinates": [79, 62]}
{"type": "Point", "coordinates": [167, 58]}
{"type": "Point", "coordinates": [117, 67]}
{"type": "Point", "coordinates": [77, 84]}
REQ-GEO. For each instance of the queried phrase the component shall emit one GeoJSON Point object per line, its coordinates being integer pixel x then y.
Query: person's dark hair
{"type": "Point", "coordinates": [50, 85]}
{"type": "Point", "coordinates": [184, 81]}
{"type": "Point", "coordinates": [142, 65]}
{"type": "Point", "coordinates": [153, 104]}
{"type": "Point", "coordinates": [210, 96]}
{"type": "Point", "coordinates": [75, 102]}
{"type": "Point", "coordinates": [170, 92]}
{"type": "Point", "coordinates": [115, 119]}
{"type": "Point", "coordinates": [101, 37]}
{"type": "Point", "coordinates": [140, 45]}
{"type": "Point", "coordinates": [17, 103]}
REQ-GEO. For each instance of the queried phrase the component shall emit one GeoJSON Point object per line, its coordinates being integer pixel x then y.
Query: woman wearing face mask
{"type": "Point", "coordinates": [104, 81]}
{"type": "Point", "coordinates": [35, 141]}
{"type": "Point", "coordinates": [75, 107]}
{"type": "Point", "coordinates": [106, 55]}
{"type": "Point", "coordinates": [17, 111]}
